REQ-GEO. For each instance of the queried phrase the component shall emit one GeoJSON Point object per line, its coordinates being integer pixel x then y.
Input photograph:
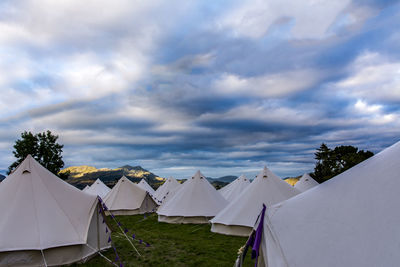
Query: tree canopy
{"type": "Point", "coordinates": [331, 162]}
{"type": "Point", "coordinates": [43, 147]}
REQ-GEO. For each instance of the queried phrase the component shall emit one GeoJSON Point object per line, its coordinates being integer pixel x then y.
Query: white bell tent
{"type": "Point", "coordinates": [45, 221]}
{"type": "Point", "coordinates": [127, 198]}
{"type": "Point", "coordinates": [233, 189]}
{"type": "Point", "coordinates": [196, 201]}
{"type": "Point", "coordinates": [350, 220]}
{"type": "Point", "coordinates": [239, 217]}
{"type": "Point", "coordinates": [144, 185]}
{"type": "Point", "coordinates": [166, 189]}
{"type": "Point", "coordinates": [98, 188]}
{"type": "Point", "coordinates": [305, 182]}
{"type": "Point", "coordinates": [170, 194]}
{"type": "Point", "coordinates": [86, 188]}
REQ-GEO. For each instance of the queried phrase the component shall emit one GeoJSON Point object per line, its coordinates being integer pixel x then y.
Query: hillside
{"type": "Point", "coordinates": [80, 176]}
{"type": "Point", "coordinates": [292, 180]}
{"type": "Point", "coordinates": [223, 179]}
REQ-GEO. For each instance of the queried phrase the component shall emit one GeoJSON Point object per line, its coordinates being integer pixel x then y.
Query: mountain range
{"type": "Point", "coordinates": [80, 176]}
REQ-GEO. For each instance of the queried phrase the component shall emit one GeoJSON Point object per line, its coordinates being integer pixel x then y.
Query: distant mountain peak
{"type": "Point", "coordinates": [85, 175]}
{"type": "Point", "coordinates": [129, 167]}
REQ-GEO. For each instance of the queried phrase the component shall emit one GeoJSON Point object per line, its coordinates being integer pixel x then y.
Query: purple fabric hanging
{"type": "Point", "coordinates": [258, 237]}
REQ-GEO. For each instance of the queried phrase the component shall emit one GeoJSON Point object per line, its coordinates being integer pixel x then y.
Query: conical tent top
{"type": "Point", "coordinates": [198, 175]}
{"type": "Point", "coordinates": [26, 168]}
{"type": "Point", "coordinates": [243, 177]}
{"type": "Point", "coordinates": [234, 188]}
{"type": "Point", "coordinates": [167, 188]}
{"type": "Point", "coordinates": [265, 173]}
{"type": "Point", "coordinates": [305, 182]}
{"type": "Point", "coordinates": [98, 188]}
{"type": "Point", "coordinates": [144, 185]}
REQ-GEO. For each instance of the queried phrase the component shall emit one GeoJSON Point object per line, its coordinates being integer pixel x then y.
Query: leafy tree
{"type": "Point", "coordinates": [331, 162]}
{"type": "Point", "coordinates": [43, 147]}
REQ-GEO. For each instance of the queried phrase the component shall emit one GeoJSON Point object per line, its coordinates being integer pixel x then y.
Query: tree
{"type": "Point", "coordinates": [43, 147]}
{"type": "Point", "coordinates": [333, 162]}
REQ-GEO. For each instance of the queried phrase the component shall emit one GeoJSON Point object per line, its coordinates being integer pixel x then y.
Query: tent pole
{"type": "Point", "coordinates": [98, 226]}
{"type": "Point", "coordinates": [98, 252]}
{"type": "Point", "coordinates": [44, 260]}
{"type": "Point", "coordinates": [125, 235]}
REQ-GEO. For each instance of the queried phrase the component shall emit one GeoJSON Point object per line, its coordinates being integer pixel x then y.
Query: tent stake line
{"type": "Point", "coordinates": [122, 231]}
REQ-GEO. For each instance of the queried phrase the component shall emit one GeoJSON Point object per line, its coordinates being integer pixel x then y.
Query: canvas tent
{"type": "Point", "coordinates": [166, 189]}
{"type": "Point", "coordinates": [98, 188]}
{"type": "Point", "coordinates": [127, 198]}
{"type": "Point", "coordinates": [305, 182]}
{"type": "Point", "coordinates": [144, 185]}
{"type": "Point", "coordinates": [239, 217]}
{"type": "Point", "coordinates": [86, 188]}
{"type": "Point", "coordinates": [170, 194]}
{"type": "Point", "coordinates": [350, 220]}
{"type": "Point", "coordinates": [233, 189]}
{"type": "Point", "coordinates": [196, 201]}
{"type": "Point", "coordinates": [46, 221]}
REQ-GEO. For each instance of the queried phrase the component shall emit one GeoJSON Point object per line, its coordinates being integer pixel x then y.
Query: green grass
{"type": "Point", "coordinates": [170, 244]}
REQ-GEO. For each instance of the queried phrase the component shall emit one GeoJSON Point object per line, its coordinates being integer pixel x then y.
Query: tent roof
{"type": "Point", "coordinates": [350, 220]}
{"type": "Point", "coordinates": [98, 188]}
{"type": "Point", "coordinates": [40, 211]}
{"type": "Point", "coordinates": [144, 185]}
{"type": "Point", "coordinates": [196, 197]}
{"type": "Point", "coordinates": [86, 188]}
{"type": "Point", "coordinates": [233, 189]}
{"type": "Point", "coordinates": [305, 182]}
{"type": "Point", "coordinates": [170, 184]}
{"type": "Point", "coordinates": [266, 188]}
{"type": "Point", "coordinates": [125, 195]}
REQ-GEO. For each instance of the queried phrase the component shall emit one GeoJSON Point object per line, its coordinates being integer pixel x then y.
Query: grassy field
{"type": "Point", "coordinates": [170, 245]}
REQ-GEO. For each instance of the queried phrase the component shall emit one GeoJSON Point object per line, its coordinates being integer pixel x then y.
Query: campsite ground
{"type": "Point", "coordinates": [170, 245]}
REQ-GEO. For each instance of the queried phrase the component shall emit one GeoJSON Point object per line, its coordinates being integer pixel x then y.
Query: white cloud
{"type": "Point", "coordinates": [53, 21]}
{"type": "Point", "coordinates": [269, 85]}
{"type": "Point", "coordinates": [365, 108]}
{"type": "Point", "coordinates": [275, 113]}
{"type": "Point", "coordinates": [374, 114]}
{"type": "Point", "coordinates": [62, 51]}
{"type": "Point", "coordinates": [312, 18]}
{"type": "Point", "coordinates": [88, 76]}
{"type": "Point", "coordinates": [372, 77]}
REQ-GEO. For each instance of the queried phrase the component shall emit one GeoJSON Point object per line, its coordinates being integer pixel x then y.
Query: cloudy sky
{"type": "Point", "coordinates": [220, 86]}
